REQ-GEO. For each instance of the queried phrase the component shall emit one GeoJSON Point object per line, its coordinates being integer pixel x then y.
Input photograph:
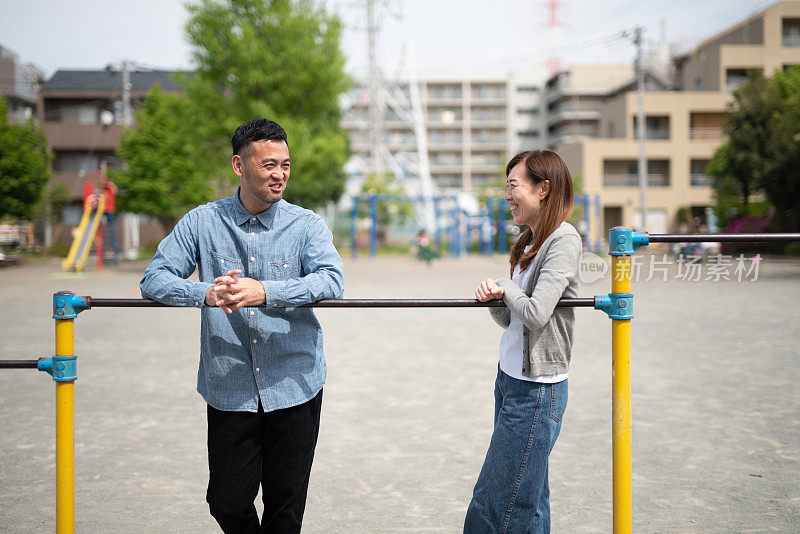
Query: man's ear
{"type": "Point", "coordinates": [238, 164]}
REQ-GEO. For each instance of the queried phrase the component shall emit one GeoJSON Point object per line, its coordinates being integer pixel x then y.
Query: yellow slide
{"type": "Point", "coordinates": [84, 236]}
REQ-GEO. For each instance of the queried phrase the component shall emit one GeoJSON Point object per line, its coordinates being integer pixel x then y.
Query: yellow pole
{"type": "Point", "coordinates": [621, 400]}
{"type": "Point", "coordinates": [65, 446]}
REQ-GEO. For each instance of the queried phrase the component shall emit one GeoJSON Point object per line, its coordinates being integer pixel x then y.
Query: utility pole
{"type": "Point", "coordinates": [639, 69]}
{"type": "Point", "coordinates": [126, 93]}
{"type": "Point", "coordinates": [376, 102]}
{"type": "Point", "coordinates": [130, 221]}
{"type": "Point", "coordinates": [637, 40]}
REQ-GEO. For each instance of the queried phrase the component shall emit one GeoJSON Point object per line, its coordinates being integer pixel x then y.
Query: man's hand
{"type": "Point", "coordinates": [489, 290]}
{"type": "Point", "coordinates": [230, 293]}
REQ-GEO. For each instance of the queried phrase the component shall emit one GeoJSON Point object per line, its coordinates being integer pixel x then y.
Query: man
{"type": "Point", "coordinates": [261, 363]}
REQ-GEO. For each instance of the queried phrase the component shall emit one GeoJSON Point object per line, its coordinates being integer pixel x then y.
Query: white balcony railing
{"type": "Point", "coordinates": [706, 133]}
{"type": "Point", "coordinates": [632, 180]}
{"type": "Point", "coordinates": [700, 180]}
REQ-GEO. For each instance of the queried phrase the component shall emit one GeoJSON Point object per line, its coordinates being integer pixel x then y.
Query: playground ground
{"type": "Point", "coordinates": [408, 407]}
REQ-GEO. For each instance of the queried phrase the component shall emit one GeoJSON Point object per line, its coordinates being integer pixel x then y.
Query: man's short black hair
{"type": "Point", "coordinates": [256, 130]}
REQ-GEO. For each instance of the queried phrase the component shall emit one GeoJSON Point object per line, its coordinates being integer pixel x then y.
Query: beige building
{"type": "Point", "coordinates": [683, 127]}
{"type": "Point", "coordinates": [472, 127]}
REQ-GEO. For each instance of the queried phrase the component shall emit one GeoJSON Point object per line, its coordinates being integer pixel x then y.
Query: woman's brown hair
{"type": "Point", "coordinates": [556, 207]}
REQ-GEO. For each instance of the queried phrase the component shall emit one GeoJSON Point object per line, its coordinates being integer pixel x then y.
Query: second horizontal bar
{"type": "Point", "coordinates": [722, 238]}
{"type": "Point", "coordinates": [352, 303]}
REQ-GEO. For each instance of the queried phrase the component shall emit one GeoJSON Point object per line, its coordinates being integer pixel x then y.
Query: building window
{"type": "Point", "coordinates": [447, 180]}
{"type": "Point", "coordinates": [82, 113]}
{"type": "Point", "coordinates": [698, 175]}
{"type": "Point", "coordinates": [735, 77]}
{"type": "Point", "coordinates": [487, 158]}
{"type": "Point", "coordinates": [444, 91]}
{"type": "Point", "coordinates": [527, 89]}
{"type": "Point", "coordinates": [488, 91]}
{"type": "Point", "coordinates": [791, 32]}
{"type": "Point", "coordinates": [445, 158]}
{"type": "Point", "coordinates": [75, 162]}
{"type": "Point", "coordinates": [489, 136]}
{"type": "Point", "coordinates": [483, 180]}
{"type": "Point", "coordinates": [488, 114]}
{"type": "Point", "coordinates": [528, 133]}
{"type": "Point", "coordinates": [624, 173]}
{"type": "Point", "coordinates": [706, 125]}
{"type": "Point", "coordinates": [655, 127]}
{"type": "Point", "coordinates": [528, 111]}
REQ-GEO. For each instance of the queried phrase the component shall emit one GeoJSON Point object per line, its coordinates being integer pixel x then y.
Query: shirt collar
{"type": "Point", "coordinates": [241, 215]}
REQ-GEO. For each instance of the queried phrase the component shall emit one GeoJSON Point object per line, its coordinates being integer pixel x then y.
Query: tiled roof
{"type": "Point", "coordinates": [103, 80]}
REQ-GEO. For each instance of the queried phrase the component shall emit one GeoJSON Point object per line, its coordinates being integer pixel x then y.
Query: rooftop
{"type": "Point", "coordinates": [106, 80]}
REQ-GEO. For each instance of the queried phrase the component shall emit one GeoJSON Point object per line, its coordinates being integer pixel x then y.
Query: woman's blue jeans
{"type": "Point", "coordinates": [512, 494]}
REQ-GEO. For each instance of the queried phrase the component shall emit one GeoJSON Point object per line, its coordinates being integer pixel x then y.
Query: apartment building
{"type": "Point", "coordinates": [81, 112]}
{"type": "Point", "coordinates": [574, 99]}
{"type": "Point", "coordinates": [19, 83]}
{"type": "Point", "coordinates": [472, 127]}
{"type": "Point", "coordinates": [683, 127]}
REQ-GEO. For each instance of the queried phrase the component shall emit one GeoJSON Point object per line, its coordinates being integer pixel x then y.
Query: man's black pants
{"type": "Point", "coordinates": [275, 449]}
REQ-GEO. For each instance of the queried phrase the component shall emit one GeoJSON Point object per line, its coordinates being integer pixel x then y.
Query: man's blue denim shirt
{"type": "Point", "coordinates": [274, 352]}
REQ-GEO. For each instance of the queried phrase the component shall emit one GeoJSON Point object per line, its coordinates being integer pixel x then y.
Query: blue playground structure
{"type": "Point", "coordinates": [460, 228]}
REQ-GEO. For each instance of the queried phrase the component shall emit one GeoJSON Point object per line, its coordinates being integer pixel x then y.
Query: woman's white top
{"type": "Point", "coordinates": [511, 342]}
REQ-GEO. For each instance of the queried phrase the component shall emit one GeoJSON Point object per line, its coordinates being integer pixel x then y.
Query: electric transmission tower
{"type": "Point", "coordinates": [554, 25]}
{"type": "Point", "coordinates": [397, 96]}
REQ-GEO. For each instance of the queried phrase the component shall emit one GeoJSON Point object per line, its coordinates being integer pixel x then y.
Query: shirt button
{"type": "Point", "coordinates": [222, 261]}
{"type": "Point", "coordinates": [285, 265]}
{"type": "Point", "coordinates": [252, 312]}
{"type": "Point", "coordinates": [255, 341]}
{"type": "Point", "coordinates": [252, 233]}
{"type": "Point", "coordinates": [252, 258]}
{"type": "Point", "coordinates": [274, 305]}
{"type": "Point", "coordinates": [253, 219]}
{"type": "Point", "coordinates": [258, 369]}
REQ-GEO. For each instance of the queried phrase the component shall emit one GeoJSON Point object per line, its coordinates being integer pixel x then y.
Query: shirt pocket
{"type": "Point", "coordinates": [220, 264]}
{"type": "Point", "coordinates": [284, 269]}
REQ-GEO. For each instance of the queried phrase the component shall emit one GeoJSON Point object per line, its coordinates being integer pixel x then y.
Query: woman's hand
{"type": "Point", "coordinates": [489, 290]}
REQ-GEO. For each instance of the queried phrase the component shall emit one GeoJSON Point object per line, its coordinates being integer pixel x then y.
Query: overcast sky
{"type": "Point", "coordinates": [452, 38]}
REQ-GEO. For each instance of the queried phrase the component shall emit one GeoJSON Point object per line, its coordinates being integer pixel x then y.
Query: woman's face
{"type": "Point", "coordinates": [524, 196]}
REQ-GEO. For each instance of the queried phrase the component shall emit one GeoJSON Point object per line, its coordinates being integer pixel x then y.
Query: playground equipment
{"type": "Point", "coordinates": [458, 225]}
{"type": "Point", "coordinates": [87, 231]}
{"type": "Point", "coordinates": [618, 305]}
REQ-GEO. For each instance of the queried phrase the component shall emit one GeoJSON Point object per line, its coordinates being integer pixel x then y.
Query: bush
{"type": "Point", "coordinates": [750, 224]}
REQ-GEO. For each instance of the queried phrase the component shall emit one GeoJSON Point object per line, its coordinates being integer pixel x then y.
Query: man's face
{"type": "Point", "coordinates": [264, 168]}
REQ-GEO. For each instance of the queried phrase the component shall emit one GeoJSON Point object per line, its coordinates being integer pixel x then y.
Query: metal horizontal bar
{"type": "Point", "coordinates": [722, 238]}
{"type": "Point", "coordinates": [19, 364]}
{"type": "Point", "coordinates": [353, 303]}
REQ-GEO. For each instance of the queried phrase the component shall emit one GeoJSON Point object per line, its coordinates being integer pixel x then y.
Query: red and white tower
{"type": "Point", "coordinates": [554, 25]}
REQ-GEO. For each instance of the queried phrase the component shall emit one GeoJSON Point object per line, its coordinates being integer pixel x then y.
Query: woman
{"type": "Point", "coordinates": [512, 493]}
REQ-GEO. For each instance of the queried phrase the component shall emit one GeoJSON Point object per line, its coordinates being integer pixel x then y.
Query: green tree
{"type": "Point", "coordinates": [762, 149]}
{"type": "Point", "coordinates": [781, 177]}
{"type": "Point", "coordinates": [738, 164]}
{"type": "Point", "coordinates": [24, 166]}
{"type": "Point", "coordinates": [387, 212]}
{"type": "Point", "coordinates": [163, 176]}
{"type": "Point", "coordinates": [278, 59]}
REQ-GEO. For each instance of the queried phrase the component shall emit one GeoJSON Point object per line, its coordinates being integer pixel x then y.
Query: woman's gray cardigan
{"type": "Point", "coordinates": [547, 332]}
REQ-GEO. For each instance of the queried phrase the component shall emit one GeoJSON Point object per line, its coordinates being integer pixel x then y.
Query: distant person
{"type": "Point", "coordinates": [109, 190]}
{"type": "Point", "coordinates": [262, 366]}
{"type": "Point", "coordinates": [422, 248]}
{"type": "Point", "coordinates": [91, 191]}
{"type": "Point", "coordinates": [512, 493]}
